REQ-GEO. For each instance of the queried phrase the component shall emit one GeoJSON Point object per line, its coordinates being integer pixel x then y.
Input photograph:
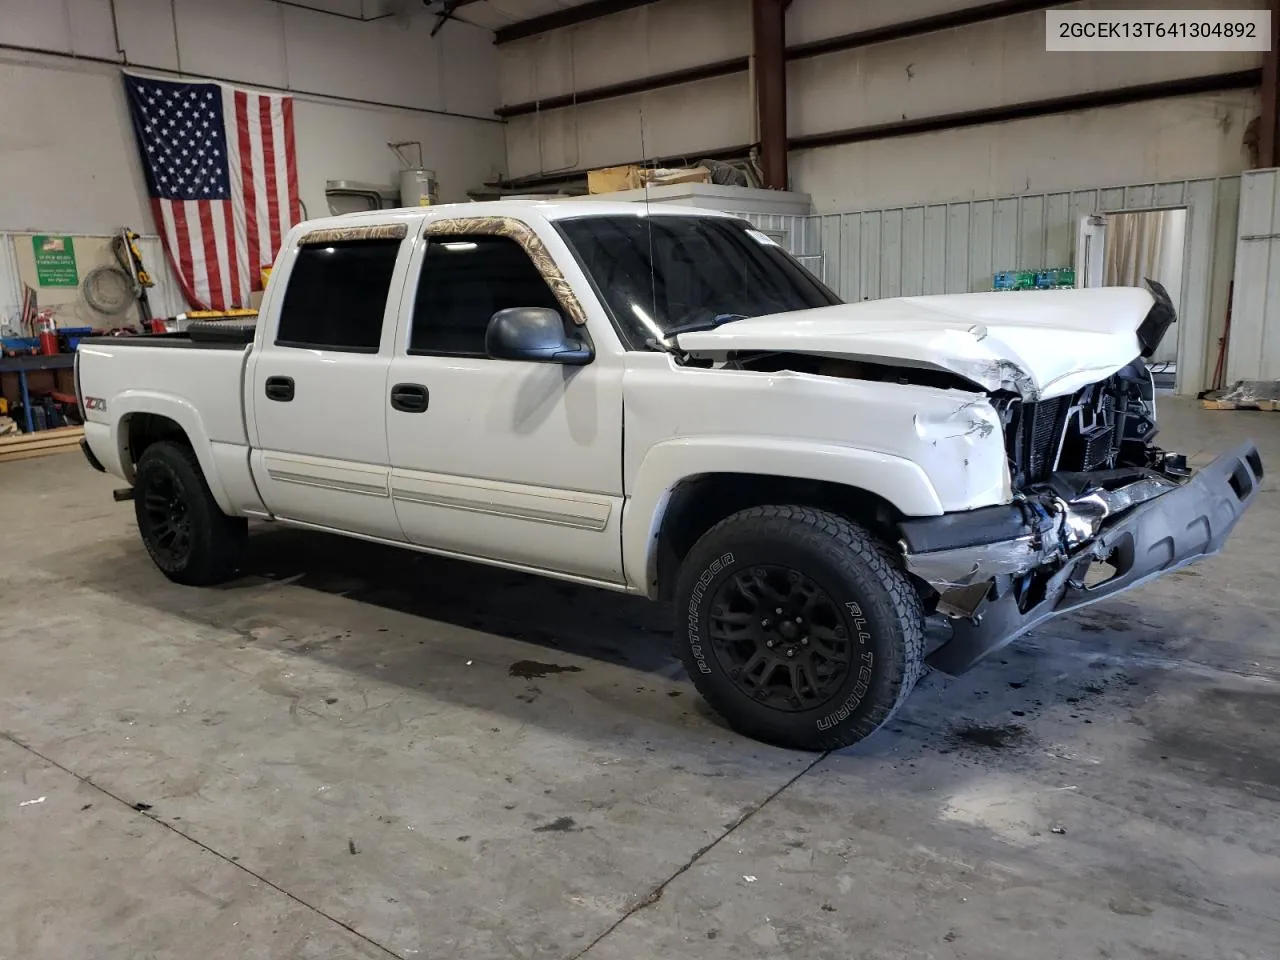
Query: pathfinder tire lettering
{"type": "Point", "coordinates": [695, 604]}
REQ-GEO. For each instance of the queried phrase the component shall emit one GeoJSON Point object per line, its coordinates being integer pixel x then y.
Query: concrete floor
{"type": "Point", "coordinates": [359, 752]}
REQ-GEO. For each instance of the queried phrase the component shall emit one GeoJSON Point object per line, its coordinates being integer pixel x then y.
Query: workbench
{"type": "Point", "coordinates": [27, 364]}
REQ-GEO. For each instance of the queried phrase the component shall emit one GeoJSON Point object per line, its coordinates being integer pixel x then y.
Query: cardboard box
{"type": "Point", "coordinates": [633, 177]}
{"type": "Point", "coordinates": [614, 179]}
{"type": "Point", "coordinates": [665, 178]}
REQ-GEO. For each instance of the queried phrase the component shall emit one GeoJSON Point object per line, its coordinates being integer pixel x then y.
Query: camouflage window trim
{"type": "Point", "coordinates": [529, 241]}
{"type": "Point", "coordinates": [381, 231]}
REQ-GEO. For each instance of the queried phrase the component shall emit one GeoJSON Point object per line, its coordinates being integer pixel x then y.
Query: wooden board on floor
{"type": "Point", "coordinates": [1245, 395]}
{"type": "Point", "coordinates": [1270, 406]}
{"type": "Point", "coordinates": [24, 446]}
{"type": "Point", "coordinates": [31, 454]}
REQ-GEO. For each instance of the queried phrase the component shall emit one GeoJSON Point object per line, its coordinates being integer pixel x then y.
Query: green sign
{"type": "Point", "coordinates": [55, 262]}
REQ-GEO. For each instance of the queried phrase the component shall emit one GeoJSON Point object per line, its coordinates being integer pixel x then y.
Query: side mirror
{"type": "Point", "coordinates": [534, 333]}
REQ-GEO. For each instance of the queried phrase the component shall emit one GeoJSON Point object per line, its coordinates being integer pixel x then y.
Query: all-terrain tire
{"type": "Point", "coordinates": [210, 552]}
{"type": "Point", "coordinates": [877, 610]}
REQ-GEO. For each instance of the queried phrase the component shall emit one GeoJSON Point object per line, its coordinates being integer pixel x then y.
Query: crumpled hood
{"type": "Point", "coordinates": [1040, 343]}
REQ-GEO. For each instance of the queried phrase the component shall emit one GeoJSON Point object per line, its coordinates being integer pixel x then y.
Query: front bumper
{"type": "Point", "coordinates": [1170, 526]}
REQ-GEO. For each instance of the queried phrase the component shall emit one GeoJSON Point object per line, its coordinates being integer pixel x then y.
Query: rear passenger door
{"type": "Point", "coordinates": [318, 386]}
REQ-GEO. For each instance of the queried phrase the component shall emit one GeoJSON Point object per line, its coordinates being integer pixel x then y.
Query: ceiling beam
{"type": "Point", "coordinates": [568, 17]}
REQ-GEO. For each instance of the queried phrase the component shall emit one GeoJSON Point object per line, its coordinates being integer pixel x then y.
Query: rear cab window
{"type": "Point", "coordinates": [336, 296]}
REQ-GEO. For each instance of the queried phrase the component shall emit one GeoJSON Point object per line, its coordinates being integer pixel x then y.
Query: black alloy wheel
{"type": "Point", "coordinates": [168, 518]}
{"type": "Point", "coordinates": [185, 531]}
{"type": "Point", "coordinates": [799, 626]}
{"type": "Point", "coordinates": [779, 637]}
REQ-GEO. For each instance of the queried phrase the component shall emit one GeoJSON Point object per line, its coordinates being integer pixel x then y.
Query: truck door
{"type": "Point", "coordinates": [318, 385]}
{"type": "Point", "coordinates": [513, 461]}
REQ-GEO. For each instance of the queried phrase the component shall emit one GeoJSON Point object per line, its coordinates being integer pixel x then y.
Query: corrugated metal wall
{"type": "Point", "coordinates": [958, 247]}
{"type": "Point", "coordinates": [800, 236]}
{"type": "Point", "coordinates": [1255, 314]}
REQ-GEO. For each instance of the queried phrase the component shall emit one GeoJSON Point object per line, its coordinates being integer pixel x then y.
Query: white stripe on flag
{"type": "Point", "coordinates": [171, 233]}
{"type": "Point", "coordinates": [259, 218]}
{"type": "Point", "coordinates": [239, 245]}
{"type": "Point", "coordinates": [199, 263]}
{"type": "Point", "coordinates": [229, 297]}
{"type": "Point", "coordinates": [281, 160]}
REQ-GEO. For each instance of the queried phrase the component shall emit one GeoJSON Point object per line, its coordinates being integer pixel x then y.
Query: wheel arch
{"type": "Point", "coordinates": [672, 504]}
{"type": "Point", "coordinates": [144, 418]}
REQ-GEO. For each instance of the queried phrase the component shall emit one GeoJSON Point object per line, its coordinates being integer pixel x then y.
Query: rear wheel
{"type": "Point", "coordinates": [187, 535]}
{"type": "Point", "coordinates": [798, 627]}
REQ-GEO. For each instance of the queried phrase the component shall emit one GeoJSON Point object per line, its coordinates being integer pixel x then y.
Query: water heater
{"type": "Point", "coordinates": [418, 187]}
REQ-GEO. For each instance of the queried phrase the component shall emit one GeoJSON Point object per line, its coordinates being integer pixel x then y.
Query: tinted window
{"type": "Point", "coordinates": [662, 272]}
{"type": "Point", "coordinates": [465, 280]}
{"type": "Point", "coordinates": [337, 294]}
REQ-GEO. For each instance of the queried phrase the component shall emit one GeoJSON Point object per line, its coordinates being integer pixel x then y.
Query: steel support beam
{"type": "Point", "coordinates": [1094, 99]}
{"type": "Point", "coordinates": [1268, 153]}
{"type": "Point", "coordinates": [568, 17]}
{"type": "Point", "coordinates": [769, 46]}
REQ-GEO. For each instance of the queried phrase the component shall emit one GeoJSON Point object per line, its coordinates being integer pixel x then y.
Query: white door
{"type": "Point", "coordinates": [511, 461]}
{"type": "Point", "coordinates": [319, 391]}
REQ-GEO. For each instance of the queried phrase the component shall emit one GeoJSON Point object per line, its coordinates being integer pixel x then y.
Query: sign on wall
{"type": "Point", "coordinates": [55, 261]}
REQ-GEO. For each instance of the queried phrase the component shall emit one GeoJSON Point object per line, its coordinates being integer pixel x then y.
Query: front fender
{"type": "Point", "coordinates": [180, 411]}
{"type": "Point", "coordinates": [670, 463]}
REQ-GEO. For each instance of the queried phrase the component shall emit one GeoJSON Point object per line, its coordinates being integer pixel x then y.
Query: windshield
{"type": "Point", "coordinates": [692, 273]}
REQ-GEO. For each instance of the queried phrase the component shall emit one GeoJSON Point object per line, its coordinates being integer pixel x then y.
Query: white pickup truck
{"type": "Point", "coordinates": [663, 402]}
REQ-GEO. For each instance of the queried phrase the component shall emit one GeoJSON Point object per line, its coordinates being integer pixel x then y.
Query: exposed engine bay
{"type": "Point", "coordinates": [1097, 509]}
{"type": "Point", "coordinates": [1075, 461]}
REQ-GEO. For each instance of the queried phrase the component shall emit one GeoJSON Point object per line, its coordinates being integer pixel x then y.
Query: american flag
{"type": "Point", "coordinates": [223, 178]}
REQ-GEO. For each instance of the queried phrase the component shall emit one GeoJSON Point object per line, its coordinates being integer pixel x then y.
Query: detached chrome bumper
{"type": "Point", "coordinates": [1141, 530]}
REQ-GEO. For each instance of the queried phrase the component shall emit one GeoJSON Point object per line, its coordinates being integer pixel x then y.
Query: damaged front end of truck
{"type": "Point", "coordinates": [1098, 508]}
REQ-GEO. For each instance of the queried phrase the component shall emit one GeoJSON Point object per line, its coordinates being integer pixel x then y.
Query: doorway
{"type": "Point", "coordinates": [1124, 250]}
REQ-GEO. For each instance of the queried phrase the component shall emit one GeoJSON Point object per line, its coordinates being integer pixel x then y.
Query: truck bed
{"type": "Point", "coordinates": [199, 335]}
{"type": "Point", "coordinates": [195, 378]}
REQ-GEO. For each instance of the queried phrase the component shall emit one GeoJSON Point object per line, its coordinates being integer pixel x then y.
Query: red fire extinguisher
{"type": "Point", "coordinates": [48, 333]}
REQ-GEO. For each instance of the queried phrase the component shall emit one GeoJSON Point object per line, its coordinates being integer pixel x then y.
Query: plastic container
{"type": "Point", "coordinates": [70, 337]}
{"type": "Point", "coordinates": [19, 346]}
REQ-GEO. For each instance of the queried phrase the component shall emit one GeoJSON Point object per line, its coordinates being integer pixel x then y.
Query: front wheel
{"type": "Point", "coordinates": [188, 536]}
{"type": "Point", "coordinates": [798, 628]}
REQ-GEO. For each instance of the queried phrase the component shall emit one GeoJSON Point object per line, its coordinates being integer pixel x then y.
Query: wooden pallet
{"type": "Point", "coordinates": [1245, 395]}
{"type": "Point", "coordinates": [24, 446]}
{"type": "Point", "coordinates": [1270, 406]}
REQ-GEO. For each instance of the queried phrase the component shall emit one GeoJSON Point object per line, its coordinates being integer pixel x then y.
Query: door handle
{"type": "Point", "coordinates": [280, 388]}
{"type": "Point", "coordinates": [409, 398]}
